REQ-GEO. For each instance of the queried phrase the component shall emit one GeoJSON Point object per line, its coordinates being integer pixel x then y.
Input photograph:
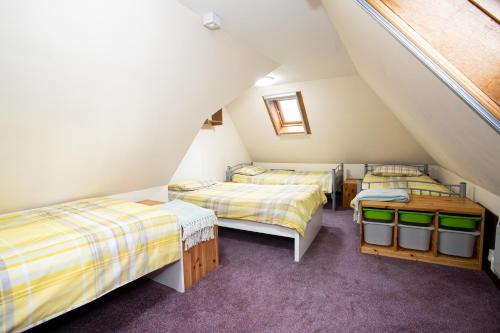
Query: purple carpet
{"type": "Point", "coordinates": [258, 288]}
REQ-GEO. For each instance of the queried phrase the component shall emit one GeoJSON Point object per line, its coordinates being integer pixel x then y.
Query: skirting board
{"type": "Point", "coordinates": [301, 243]}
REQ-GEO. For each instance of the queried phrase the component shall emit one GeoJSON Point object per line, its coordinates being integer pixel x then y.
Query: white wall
{"type": "Point", "coordinates": [213, 149]}
{"type": "Point", "coordinates": [100, 97]}
{"type": "Point", "coordinates": [474, 192]}
{"type": "Point", "coordinates": [452, 133]}
{"type": "Point", "coordinates": [349, 124]}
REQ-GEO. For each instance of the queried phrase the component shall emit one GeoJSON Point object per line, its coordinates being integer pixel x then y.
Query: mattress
{"type": "Point", "coordinates": [289, 206]}
{"type": "Point", "coordinates": [287, 177]}
{"type": "Point", "coordinates": [411, 183]}
{"type": "Point", "coordinates": [57, 258]}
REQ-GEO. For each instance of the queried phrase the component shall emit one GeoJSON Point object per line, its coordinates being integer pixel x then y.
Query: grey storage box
{"type": "Point", "coordinates": [378, 233]}
{"type": "Point", "coordinates": [457, 243]}
{"type": "Point", "coordinates": [414, 237]}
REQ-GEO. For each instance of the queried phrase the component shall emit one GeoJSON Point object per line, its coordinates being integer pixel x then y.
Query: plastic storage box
{"type": "Point", "coordinates": [378, 214]}
{"type": "Point", "coordinates": [458, 221]}
{"type": "Point", "coordinates": [415, 217]}
{"type": "Point", "coordinates": [415, 237]}
{"type": "Point", "coordinates": [378, 233]}
{"type": "Point", "coordinates": [457, 243]}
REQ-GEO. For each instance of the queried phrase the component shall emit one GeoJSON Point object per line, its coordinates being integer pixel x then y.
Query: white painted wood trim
{"type": "Point", "coordinates": [159, 193]}
{"type": "Point", "coordinates": [171, 275]}
{"type": "Point", "coordinates": [263, 228]}
{"type": "Point", "coordinates": [301, 243]}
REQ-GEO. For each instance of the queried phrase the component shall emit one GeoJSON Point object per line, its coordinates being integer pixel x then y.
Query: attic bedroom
{"type": "Point", "coordinates": [250, 166]}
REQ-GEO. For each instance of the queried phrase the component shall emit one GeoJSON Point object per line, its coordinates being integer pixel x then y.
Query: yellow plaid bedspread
{"type": "Point", "coordinates": [57, 258]}
{"type": "Point", "coordinates": [290, 206]}
{"type": "Point", "coordinates": [405, 182]}
{"type": "Point", "coordinates": [284, 177]}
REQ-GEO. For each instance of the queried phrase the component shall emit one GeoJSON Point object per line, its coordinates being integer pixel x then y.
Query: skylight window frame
{"type": "Point", "coordinates": [473, 99]}
{"type": "Point", "coordinates": [275, 112]}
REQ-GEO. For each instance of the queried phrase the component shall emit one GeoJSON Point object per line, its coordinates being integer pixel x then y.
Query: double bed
{"type": "Point", "coordinates": [57, 258]}
{"type": "Point", "coordinates": [292, 211]}
{"type": "Point", "coordinates": [330, 181]}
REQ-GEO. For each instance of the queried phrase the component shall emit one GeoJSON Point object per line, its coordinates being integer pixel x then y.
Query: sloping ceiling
{"type": "Point", "coordinates": [101, 97]}
{"type": "Point", "coordinates": [349, 124]}
{"type": "Point", "coordinates": [446, 127]}
{"type": "Point", "coordinates": [296, 34]}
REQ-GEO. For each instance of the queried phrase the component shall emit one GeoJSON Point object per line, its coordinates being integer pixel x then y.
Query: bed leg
{"type": "Point", "coordinates": [171, 276]}
{"type": "Point", "coordinates": [301, 244]}
{"type": "Point", "coordinates": [296, 248]}
{"type": "Point", "coordinates": [463, 190]}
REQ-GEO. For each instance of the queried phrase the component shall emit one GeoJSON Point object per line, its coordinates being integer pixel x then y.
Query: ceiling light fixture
{"type": "Point", "coordinates": [211, 21]}
{"type": "Point", "coordinates": [264, 81]}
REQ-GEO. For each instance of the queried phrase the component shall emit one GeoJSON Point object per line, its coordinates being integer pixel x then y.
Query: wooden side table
{"type": "Point", "coordinates": [349, 191]}
{"type": "Point", "coordinates": [199, 260]}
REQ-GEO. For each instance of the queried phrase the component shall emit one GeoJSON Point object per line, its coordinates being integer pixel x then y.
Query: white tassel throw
{"type": "Point", "coordinates": [197, 222]}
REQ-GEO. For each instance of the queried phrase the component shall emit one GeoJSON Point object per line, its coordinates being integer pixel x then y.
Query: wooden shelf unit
{"type": "Point", "coordinates": [349, 191]}
{"type": "Point", "coordinates": [427, 204]}
{"type": "Point", "coordinates": [215, 120]}
{"type": "Point", "coordinates": [199, 260]}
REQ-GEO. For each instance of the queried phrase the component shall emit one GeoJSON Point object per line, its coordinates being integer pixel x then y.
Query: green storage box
{"type": "Point", "coordinates": [415, 217]}
{"type": "Point", "coordinates": [378, 214]}
{"type": "Point", "coordinates": [458, 221]}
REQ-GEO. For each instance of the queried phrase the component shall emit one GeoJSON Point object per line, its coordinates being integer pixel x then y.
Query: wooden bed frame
{"type": "Point", "coordinates": [301, 243]}
{"type": "Point", "coordinates": [454, 190]}
{"type": "Point", "coordinates": [337, 179]}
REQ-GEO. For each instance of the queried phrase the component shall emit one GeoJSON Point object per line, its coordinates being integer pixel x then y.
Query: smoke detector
{"type": "Point", "coordinates": [211, 21]}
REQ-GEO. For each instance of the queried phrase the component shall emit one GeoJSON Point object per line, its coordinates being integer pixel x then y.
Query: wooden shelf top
{"type": "Point", "coordinates": [431, 203]}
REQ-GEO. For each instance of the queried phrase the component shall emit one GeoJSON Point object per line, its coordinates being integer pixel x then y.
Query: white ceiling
{"type": "Point", "coordinates": [296, 34]}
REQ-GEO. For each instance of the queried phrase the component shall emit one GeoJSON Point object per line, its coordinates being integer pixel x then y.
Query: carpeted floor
{"type": "Point", "coordinates": [258, 288]}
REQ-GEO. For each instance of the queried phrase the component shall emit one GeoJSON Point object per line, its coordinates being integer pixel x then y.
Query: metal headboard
{"type": "Point", "coordinates": [231, 169]}
{"type": "Point", "coordinates": [454, 190]}
{"type": "Point", "coordinates": [337, 177]}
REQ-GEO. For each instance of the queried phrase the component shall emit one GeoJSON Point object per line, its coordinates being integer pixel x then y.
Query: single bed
{"type": "Point", "coordinates": [330, 181]}
{"type": "Point", "coordinates": [57, 258]}
{"type": "Point", "coordinates": [420, 184]}
{"type": "Point", "coordinates": [292, 211]}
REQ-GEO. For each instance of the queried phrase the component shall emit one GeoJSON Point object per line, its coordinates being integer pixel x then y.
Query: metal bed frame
{"type": "Point", "coordinates": [454, 190]}
{"type": "Point", "coordinates": [337, 178]}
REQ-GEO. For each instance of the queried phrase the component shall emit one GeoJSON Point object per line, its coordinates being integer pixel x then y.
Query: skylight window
{"type": "Point", "coordinates": [287, 113]}
{"type": "Point", "coordinates": [290, 111]}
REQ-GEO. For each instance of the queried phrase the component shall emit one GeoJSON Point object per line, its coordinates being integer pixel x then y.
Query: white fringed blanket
{"type": "Point", "coordinates": [197, 222]}
{"type": "Point", "coordinates": [379, 194]}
